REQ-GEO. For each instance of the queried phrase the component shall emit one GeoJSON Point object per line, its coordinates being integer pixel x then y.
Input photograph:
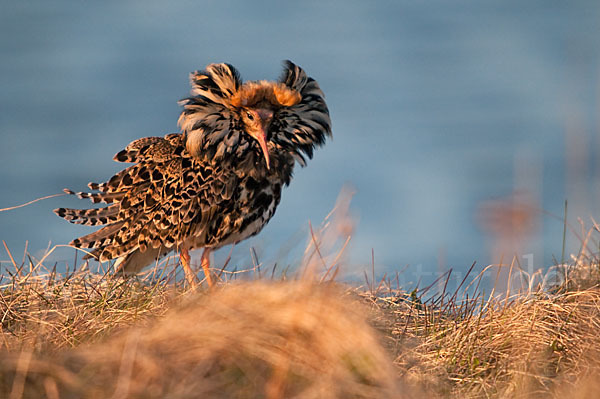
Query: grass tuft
{"type": "Point", "coordinates": [250, 339]}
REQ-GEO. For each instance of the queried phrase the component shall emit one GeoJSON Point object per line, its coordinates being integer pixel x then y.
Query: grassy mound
{"type": "Point", "coordinates": [90, 336]}
{"type": "Point", "coordinates": [111, 338]}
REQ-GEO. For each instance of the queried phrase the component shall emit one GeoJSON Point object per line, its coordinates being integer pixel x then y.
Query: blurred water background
{"type": "Point", "coordinates": [445, 115]}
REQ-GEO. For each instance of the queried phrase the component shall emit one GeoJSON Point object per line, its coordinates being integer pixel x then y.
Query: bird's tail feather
{"type": "Point", "coordinates": [96, 198]}
{"type": "Point", "coordinates": [98, 239]}
{"type": "Point", "coordinates": [90, 217]}
{"type": "Point", "coordinates": [135, 261]}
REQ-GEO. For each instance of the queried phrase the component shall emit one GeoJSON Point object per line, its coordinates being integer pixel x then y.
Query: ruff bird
{"type": "Point", "coordinates": [215, 183]}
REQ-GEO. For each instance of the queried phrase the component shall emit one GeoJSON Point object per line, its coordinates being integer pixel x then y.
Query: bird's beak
{"type": "Point", "coordinates": [261, 137]}
{"type": "Point", "coordinates": [259, 131]}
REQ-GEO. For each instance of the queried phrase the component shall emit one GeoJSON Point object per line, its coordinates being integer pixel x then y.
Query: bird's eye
{"type": "Point", "coordinates": [249, 115]}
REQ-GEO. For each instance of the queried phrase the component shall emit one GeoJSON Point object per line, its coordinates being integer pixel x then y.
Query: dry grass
{"type": "Point", "coordinates": [252, 339]}
{"type": "Point", "coordinates": [86, 335]}
{"type": "Point", "coordinates": [527, 346]}
{"type": "Point", "coordinates": [44, 312]}
{"type": "Point", "coordinates": [90, 336]}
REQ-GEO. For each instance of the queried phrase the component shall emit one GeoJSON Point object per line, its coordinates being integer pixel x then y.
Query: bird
{"type": "Point", "coordinates": [216, 182]}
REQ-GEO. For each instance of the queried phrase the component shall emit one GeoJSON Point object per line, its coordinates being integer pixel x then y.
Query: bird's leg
{"type": "Point", "coordinates": [184, 256]}
{"type": "Point", "coordinates": [206, 266]}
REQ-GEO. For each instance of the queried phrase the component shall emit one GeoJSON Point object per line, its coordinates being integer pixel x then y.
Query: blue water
{"type": "Point", "coordinates": [436, 106]}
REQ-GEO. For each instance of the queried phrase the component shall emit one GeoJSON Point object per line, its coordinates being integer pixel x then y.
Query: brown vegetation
{"type": "Point", "coordinates": [88, 336]}
{"type": "Point", "coordinates": [105, 337]}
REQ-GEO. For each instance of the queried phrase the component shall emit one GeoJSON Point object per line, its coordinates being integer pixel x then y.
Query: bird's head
{"type": "Point", "coordinates": [257, 122]}
{"type": "Point", "coordinates": [229, 120]}
{"type": "Point", "coordinates": [257, 103]}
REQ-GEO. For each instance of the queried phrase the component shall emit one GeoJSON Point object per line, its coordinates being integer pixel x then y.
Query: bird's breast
{"type": "Point", "coordinates": [244, 215]}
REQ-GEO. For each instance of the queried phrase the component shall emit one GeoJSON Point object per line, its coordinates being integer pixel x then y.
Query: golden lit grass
{"type": "Point", "coordinates": [528, 346]}
{"type": "Point", "coordinates": [251, 339]}
{"type": "Point", "coordinates": [46, 312]}
{"type": "Point", "coordinates": [84, 335]}
{"type": "Point", "coordinates": [90, 336]}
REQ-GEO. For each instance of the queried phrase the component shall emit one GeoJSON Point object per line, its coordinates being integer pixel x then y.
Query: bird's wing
{"type": "Point", "coordinates": [155, 203]}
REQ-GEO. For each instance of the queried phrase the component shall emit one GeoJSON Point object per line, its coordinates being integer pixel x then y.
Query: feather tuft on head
{"type": "Point", "coordinates": [253, 93]}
